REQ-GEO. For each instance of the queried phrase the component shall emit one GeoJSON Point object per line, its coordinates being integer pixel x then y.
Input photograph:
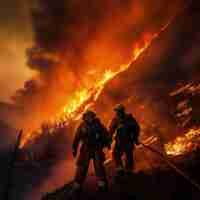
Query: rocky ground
{"type": "Point", "coordinates": [159, 184]}
{"type": "Point", "coordinates": [39, 180]}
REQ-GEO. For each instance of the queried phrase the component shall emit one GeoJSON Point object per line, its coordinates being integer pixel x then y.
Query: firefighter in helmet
{"type": "Point", "coordinates": [94, 138]}
{"type": "Point", "coordinates": [125, 131]}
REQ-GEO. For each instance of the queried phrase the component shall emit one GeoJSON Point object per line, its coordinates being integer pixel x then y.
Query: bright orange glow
{"type": "Point", "coordinates": [184, 144]}
{"type": "Point", "coordinates": [84, 97]}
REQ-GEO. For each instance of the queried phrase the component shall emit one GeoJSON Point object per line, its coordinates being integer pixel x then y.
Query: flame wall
{"type": "Point", "coordinates": [75, 43]}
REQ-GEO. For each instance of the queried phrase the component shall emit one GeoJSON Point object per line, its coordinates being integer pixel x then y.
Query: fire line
{"type": "Point", "coordinates": [85, 98]}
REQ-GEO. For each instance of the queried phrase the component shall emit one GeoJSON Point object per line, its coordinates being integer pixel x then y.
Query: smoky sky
{"type": "Point", "coordinates": [64, 40]}
{"type": "Point", "coordinates": [73, 29]}
{"type": "Point", "coordinates": [15, 37]}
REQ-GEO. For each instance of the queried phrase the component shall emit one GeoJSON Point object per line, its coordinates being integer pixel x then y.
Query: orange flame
{"type": "Point", "coordinates": [184, 144]}
{"type": "Point", "coordinates": [84, 97]}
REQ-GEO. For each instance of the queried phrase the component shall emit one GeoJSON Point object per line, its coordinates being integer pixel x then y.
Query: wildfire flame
{"type": "Point", "coordinates": [185, 115]}
{"type": "Point", "coordinates": [184, 144]}
{"type": "Point", "coordinates": [91, 94]}
{"type": "Point", "coordinates": [84, 98]}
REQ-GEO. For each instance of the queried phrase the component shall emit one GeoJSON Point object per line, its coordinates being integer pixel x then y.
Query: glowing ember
{"type": "Point", "coordinates": [185, 144]}
{"type": "Point", "coordinates": [190, 88]}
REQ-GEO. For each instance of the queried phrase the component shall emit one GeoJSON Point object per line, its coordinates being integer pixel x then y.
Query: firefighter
{"type": "Point", "coordinates": [125, 130]}
{"type": "Point", "coordinates": [94, 138]}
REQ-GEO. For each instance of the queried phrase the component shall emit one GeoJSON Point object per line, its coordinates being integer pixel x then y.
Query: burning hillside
{"type": "Point", "coordinates": [79, 62]}
{"type": "Point", "coordinates": [75, 57]}
{"type": "Point", "coordinates": [94, 55]}
{"type": "Point", "coordinates": [185, 144]}
{"type": "Point", "coordinates": [187, 116]}
{"type": "Point", "coordinates": [71, 102]}
{"type": "Point", "coordinates": [84, 98]}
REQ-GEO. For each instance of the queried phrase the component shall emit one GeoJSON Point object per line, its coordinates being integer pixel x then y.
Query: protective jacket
{"type": "Point", "coordinates": [126, 132]}
{"type": "Point", "coordinates": [93, 137]}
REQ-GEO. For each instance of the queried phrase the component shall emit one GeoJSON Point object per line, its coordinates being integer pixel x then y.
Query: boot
{"type": "Point", "coordinates": [102, 186]}
{"type": "Point", "coordinates": [75, 189]}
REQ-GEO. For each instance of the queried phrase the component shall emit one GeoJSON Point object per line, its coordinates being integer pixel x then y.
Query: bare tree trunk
{"type": "Point", "coordinates": [11, 166]}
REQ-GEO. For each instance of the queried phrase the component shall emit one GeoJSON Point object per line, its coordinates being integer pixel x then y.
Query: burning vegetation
{"type": "Point", "coordinates": [84, 98]}
{"type": "Point", "coordinates": [76, 56]}
{"type": "Point", "coordinates": [96, 54]}
{"type": "Point", "coordinates": [59, 92]}
{"type": "Point", "coordinates": [187, 116]}
{"type": "Point", "coordinates": [185, 144]}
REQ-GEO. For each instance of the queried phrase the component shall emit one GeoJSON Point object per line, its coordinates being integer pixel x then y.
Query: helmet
{"type": "Point", "coordinates": [89, 115]}
{"type": "Point", "coordinates": [119, 108]}
{"type": "Point", "coordinates": [45, 126]}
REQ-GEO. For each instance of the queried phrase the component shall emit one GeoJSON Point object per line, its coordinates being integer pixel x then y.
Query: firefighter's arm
{"type": "Point", "coordinates": [136, 133]}
{"type": "Point", "coordinates": [107, 139]}
{"type": "Point", "coordinates": [137, 142]}
{"type": "Point", "coordinates": [134, 137]}
{"type": "Point", "coordinates": [112, 127]}
{"type": "Point", "coordinates": [76, 140]}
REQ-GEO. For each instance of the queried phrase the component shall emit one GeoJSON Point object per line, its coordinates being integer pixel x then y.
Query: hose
{"type": "Point", "coordinates": [173, 166]}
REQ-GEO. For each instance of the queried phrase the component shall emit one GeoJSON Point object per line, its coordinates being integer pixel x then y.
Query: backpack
{"type": "Point", "coordinates": [95, 136]}
{"type": "Point", "coordinates": [128, 130]}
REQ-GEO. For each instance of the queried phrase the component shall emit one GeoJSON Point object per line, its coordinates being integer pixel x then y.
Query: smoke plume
{"type": "Point", "coordinates": [75, 41]}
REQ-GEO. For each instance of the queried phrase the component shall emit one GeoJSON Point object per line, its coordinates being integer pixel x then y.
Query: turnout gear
{"type": "Point", "coordinates": [125, 130]}
{"type": "Point", "coordinates": [93, 137]}
{"type": "Point", "coordinates": [119, 108]}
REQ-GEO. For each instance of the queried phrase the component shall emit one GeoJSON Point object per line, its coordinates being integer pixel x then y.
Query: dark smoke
{"type": "Point", "coordinates": [15, 37]}
{"type": "Point", "coordinates": [71, 36]}
{"type": "Point", "coordinates": [171, 60]}
{"type": "Point", "coordinates": [75, 37]}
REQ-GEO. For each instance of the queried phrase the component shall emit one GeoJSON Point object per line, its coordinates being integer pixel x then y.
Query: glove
{"type": "Point", "coordinates": [137, 142]}
{"type": "Point", "coordinates": [109, 146]}
{"type": "Point", "coordinates": [74, 152]}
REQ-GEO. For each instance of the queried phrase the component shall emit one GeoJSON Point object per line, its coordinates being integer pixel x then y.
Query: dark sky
{"type": "Point", "coordinates": [15, 37]}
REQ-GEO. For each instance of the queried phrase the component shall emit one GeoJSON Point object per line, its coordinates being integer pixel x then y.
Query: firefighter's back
{"type": "Point", "coordinates": [93, 136]}
{"type": "Point", "coordinates": [127, 130]}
